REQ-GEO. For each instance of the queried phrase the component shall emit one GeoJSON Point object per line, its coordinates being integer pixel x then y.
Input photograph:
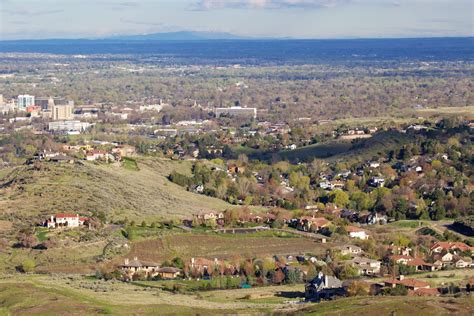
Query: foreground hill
{"type": "Point", "coordinates": [137, 194]}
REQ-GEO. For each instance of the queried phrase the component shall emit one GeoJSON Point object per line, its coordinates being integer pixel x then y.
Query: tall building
{"type": "Point", "coordinates": [25, 101]}
{"type": "Point", "coordinates": [46, 103]}
{"type": "Point", "coordinates": [63, 112]}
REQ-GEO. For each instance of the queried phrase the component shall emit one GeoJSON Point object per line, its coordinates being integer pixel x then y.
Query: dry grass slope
{"type": "Point", "coordinates": [144, 194]}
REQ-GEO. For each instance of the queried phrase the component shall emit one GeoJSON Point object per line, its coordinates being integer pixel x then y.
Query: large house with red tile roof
{"type": "Point", "coordinates": [65, 220]}
{"type": "Point", "coordinates": [418, 263]}
{"type": "Point", "coordinates": [410, 284]}
{"type": "Point", "coordinates": [450, 246]}
{"type": "Point", "coordinates": [310, 223]}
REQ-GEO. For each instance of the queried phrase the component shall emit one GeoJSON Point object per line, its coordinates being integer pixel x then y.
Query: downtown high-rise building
{"type": "Point", "coordinates": [25, 101]}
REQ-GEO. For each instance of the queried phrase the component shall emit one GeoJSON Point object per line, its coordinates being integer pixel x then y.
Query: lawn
{"type": "Point", "coordinates": [130, 164]}
{"type": "Point", "coordinates": [42, 234]}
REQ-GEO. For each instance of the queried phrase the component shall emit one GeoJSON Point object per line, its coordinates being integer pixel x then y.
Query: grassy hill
{"type": "Point", "coordinates": [136, 193]}
{"type": "Point", "coordinates": [362, 149]}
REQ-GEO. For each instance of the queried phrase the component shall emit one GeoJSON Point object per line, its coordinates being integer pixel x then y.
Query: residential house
{"type": "Point", "coordinates": [366, 266]}
{"type": "Point", "coordinates": [99, 155]}
{"type": "Point", "coordinates": [401, 259]}
{"type": "Point", "coordinates": [460, 262]}
{"type": "Point", "coordinates": [311, 224]}
{"type": "Point", "coordinates": [46, 154]}
{"type": "Point", "coordinates": [169, 272]}
{"type": "Point", "coordinates": [376, 182]}
{"type": "Point", "coordinates": [65, 220]}
{"type": "Point", "coordinates": [399, 250]}
{"type": "Point", "coordinates": [350, 250]}
{"type": "Point", "coordinates": [204, 217]}
{"type": "Point", "coordinates": [418, 263]}
{"type": "Point", "coordinates": [356, 232]}
{"type": "Point", "coordinates": [374, 218]}
{"type": "Point", "coordinates": [373, 164]}
{"type": "Point", "coordinates": [444, 258]}
{"type": "Point", "coordinates": [203, 265]}
{"type": "Point", "coordinates": [323, 287]}
{"type": "Point", "coordinates": [450, 246]}
{"type": "Point", "coordinates": [131, 267]}
{"type": "Point", "coordinates": [410, 284]}
{"type": "Point", "coordinates": [349, 215]}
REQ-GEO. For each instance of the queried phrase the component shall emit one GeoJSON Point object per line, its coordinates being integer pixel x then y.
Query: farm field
{"type": "Point", "coordinates": [222, 246]}
{"type": "Point", "coordinates": [467, 111]}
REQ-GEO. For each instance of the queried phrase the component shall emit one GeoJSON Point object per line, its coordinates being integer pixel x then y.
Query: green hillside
{"type": "Point", "coordinates": [362, 149]}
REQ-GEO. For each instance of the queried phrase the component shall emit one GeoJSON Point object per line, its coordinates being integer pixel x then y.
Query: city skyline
{"type": "Point", "coordinates": [29, 19]}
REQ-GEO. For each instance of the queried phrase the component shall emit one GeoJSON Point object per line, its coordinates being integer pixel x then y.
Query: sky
{"type": "Point", "coordinates": [39, 19]}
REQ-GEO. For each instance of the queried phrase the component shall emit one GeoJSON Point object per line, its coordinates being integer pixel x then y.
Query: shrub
{"type": "Point", "coordinates": [28, 265]}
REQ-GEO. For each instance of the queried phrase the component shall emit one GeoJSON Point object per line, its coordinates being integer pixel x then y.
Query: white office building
{"type": "Point", "coordinates": [70, 127]}
{"type": "Point", "coordinates": [25, 101]}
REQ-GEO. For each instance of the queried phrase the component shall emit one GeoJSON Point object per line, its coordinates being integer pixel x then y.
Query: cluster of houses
{"type": "Point", "coordinates": [327, 287]}
{"type": "Point", "coordinates": [89, 152]}
{"type": "Point", "coordinates": [310, 224]}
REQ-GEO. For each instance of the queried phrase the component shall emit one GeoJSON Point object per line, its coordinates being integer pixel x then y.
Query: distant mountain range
{"type": "Point", "coordinates": [180, 36]}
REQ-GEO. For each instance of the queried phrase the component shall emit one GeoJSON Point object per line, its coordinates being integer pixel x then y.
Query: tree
{"type": "Point", "coordinates": [357, 288]}
{"type": "Point", "coordinates": [278, 277]}
{"type": "Point", "coordinates": [28, 238]}
{"type": "Point", "coordinates": [28, 265]}
{"type": "Point", "coordinates": [178, 262]}
{"type": "Point", "coordinates": [339, 197]}
{"type": "Point", "coordinates": [294, 276]}
{"type": "Point", "coordinates": [346, 272]}
{"type": "Point", "coordinates": [398, 290]}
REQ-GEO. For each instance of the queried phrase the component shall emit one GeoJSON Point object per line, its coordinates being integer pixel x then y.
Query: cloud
{"type": "Point", "coordinates": [135, 22]}
{"type": "Point", "coordinates": [285, 4]}
{"type": "Point", "coordinates": [266, 4]}
{"type": "Point", "coordinates": [28, 12]}
{"type": "Point", "coordinates": [128, 4]}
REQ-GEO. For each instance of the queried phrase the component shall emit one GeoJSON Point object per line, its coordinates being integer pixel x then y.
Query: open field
{"type": "Point", "coordinates": [75, 295]}
{"type": "Point", "coordinates": [467, 111]}
{"type": "Point", "coordinates": [222, 246]}
{"type": "Point", "coordinates": [440, 278]}
{"type": "Point", "coordinates": [401, 305]}
{"type": "Point", "coordinates": [119, 192]}
{"type": "Point", "coordinates": [60, 295]}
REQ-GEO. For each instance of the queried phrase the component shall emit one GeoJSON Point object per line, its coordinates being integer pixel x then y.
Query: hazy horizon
{"type": "Point", "coordinates": [298, 19]}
